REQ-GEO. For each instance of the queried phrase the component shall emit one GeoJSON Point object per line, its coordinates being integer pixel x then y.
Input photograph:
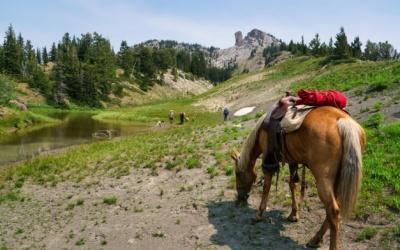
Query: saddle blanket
{"type": "Point", "coordinates": [294, 117]}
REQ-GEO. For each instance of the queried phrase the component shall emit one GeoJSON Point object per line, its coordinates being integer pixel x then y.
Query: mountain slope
{"type": "Point", "coordinates": [369, 85]}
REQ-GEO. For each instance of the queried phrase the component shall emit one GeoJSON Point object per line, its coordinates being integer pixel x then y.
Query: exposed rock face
{"type": "Point", "coordinates": [247, 52]}
{"type": "Point", "coordinates": [238, 38]}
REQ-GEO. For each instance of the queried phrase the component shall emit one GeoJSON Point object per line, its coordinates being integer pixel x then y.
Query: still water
{"type": "Point", "coordinates": [76, 128]}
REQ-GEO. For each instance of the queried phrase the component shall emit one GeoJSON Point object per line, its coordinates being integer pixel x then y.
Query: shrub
{"type": "Point", "coordinates": [374, 120]}
{"type": "Point", "coordinates": [212, 171]}
{"type": "Point", "coordinates": [192, 162]}
{"type": "Point", "coordinates": [378, 106]}
{"type": "Point", "coordinates": [396, 230]}
{"type": "Point", "coordinates": [228, 170]}
{"type": "Point", "coordinates": [379, 86]}
{"type": "Point", "coordinates": [7, 90]}
{"type": "Point", "coordinates": [366, 234]}
{"type": "Point", "coordinates": [110, 200]}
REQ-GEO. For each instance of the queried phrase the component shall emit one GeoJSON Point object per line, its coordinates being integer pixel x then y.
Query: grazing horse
{"type": "Point", "coordinates": [330, 143]}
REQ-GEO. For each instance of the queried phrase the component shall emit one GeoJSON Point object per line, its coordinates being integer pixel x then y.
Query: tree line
{"type": "Point", "coordinates": [83, 69]}
{"type": "Point", "coordinates": [335, 50]}
{"type": "Point", "coordinates": [145, 62]}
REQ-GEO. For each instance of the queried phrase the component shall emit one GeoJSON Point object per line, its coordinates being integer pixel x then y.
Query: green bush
{"type": "Point", "coordinates": [396, 230]}
{"type": "Point", "coordinates": [374, 120]}
{"type": "Point", "coordinates": [110, 200]}
{"type": "Point", "coordinates": [366, 234]}
{"type": "Point", "coordinates": [228, 170]}
{"type": "Point", "coordinates": [192, 162]}
{"type": "Point", "coordinates": [7, 90]}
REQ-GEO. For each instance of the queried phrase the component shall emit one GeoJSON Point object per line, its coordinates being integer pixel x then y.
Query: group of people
{"type": "Point", "coordinates": [182, 117]}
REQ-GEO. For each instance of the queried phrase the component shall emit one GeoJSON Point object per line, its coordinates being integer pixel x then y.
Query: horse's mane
{"type": "Point", "coordinates": [248, 146]}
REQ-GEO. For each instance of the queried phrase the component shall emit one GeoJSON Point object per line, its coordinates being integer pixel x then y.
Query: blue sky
{"type": "Point", "coordinates": [208, 22]}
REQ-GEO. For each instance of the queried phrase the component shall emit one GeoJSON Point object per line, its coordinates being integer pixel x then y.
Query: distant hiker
{"type": "Point", "coordinates": [159, 124]}
{"type": "Point", "coordinates": [171, 116]}
{"type": "Point", "coordinates": [182, 117]}
{"type": "Point", "coordinates": [226, 113]}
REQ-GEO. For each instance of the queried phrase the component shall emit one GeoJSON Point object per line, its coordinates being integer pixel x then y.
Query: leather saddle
{"type": "Point", "coordinates": [276, 147]}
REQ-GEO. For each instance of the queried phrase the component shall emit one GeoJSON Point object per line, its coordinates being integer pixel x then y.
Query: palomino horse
{"type": "Point", "coordinates": [330, 144]}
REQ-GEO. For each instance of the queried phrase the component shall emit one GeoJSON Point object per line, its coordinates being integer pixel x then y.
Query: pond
{"type": "Point", "coordinates": [75, 128]}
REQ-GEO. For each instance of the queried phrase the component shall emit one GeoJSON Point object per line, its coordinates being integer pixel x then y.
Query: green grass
{"type": "Point", "coordinates": [80, 242]}
{"type": "Point", "coordinates": [157, 111]}
{"type": "Point", "coordinates": [366, 233]}
{"type": "Point", "coordinates": [396, 231]}
{"type": "Point", "coordinates": [10, 196]}
{"type": "Point", "coordinates": [23, 121]}
{"type": "Point", "coordinates": [112, 200]}
{"type": "Point", "coordinates": [377, 76]}
{"type": "Point", "coordinates": [381, 186]}
{"type": "Point", "coordinates": [116, 158]}
{"type": "Point", "coordinates": [228, 170]}
{"type": "Point", "coordinates": [212, 171]}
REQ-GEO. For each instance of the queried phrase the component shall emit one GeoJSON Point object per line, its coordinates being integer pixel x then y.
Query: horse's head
{"type": "Point", "coordinates": [245, 177]}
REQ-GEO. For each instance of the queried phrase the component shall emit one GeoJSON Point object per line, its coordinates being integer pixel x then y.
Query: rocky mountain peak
{"type": "Point", "coordinates": [255, 37]}
{"type": "Point", "coordinates": [247, 53]}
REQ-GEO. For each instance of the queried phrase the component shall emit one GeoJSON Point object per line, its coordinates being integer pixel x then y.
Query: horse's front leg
{"type": "Point", "coordinates": [294, 178]}
{"type": "Point", "coordinates": [264, 198]}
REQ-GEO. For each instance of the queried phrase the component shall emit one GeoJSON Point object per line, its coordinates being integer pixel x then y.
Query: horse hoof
{"type": "Point", "coordinates": [292, 218]}
{"type": "Point", "coordinates": [257, 220]}
{"type": "Point", "coordinates": [314, 244]}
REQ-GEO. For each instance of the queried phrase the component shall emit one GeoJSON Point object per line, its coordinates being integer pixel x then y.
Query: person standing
{"type": "Point", "coordinates": [171, 116]}
{"type": "Point", "coordinates": [226, 113]}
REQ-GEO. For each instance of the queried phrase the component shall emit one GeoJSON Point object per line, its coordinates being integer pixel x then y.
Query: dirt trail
{"type": "Point", "coordinates": [183, 210]}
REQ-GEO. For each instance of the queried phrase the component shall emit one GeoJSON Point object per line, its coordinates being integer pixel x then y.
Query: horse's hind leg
{"type": "Point", "coordinates": [294, 178]}
{"type": "Point", "coordinates": [326, 193]}
{"type": "Point", "coordinates": [264, 198]}
{"type": "Point", "coordinates": [316, 241]}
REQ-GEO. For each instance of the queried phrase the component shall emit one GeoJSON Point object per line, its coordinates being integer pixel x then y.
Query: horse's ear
{"type": "Point", "coordinates": [235, 155]}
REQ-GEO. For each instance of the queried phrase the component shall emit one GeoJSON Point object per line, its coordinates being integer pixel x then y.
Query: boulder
{"type": "Point", "coordinates": [20, 105]}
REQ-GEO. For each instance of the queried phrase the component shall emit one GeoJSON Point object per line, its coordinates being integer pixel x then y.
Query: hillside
{"type": "Point", "coordinates": [366, 84]}
{"type": "Point", "coordinates": [165, 88]}
{"type": "Point", "coordinates": [175, 186]}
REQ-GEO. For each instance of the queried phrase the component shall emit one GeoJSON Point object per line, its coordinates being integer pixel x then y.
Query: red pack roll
{"type": "Point", "coordinates": [322, 98]}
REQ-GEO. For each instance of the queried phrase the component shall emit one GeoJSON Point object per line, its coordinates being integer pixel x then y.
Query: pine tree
{"type": "Point", "coordinates": [21, 54]}
{"type": "Point", "coordinates": [11, 54]}
{"type": "Point", "coordinates": [341, 50]}
{"type": "Point", "coordinates": [303, 47]}
{"type": "Point", "coordinates": [53, 53]}
{"type": "Point", "coordinates": [40, 81]}
{"type": "Point", "coordinates": [356, 48]}
{"type": "Point", "coordinates": [1, 59]}
{"type": "Point", "coordinates": [38, 56]}
{"type": "Point", "coordinates": [330, 46]}
{"type": "Point", "coordinates": [125, 58]}
{"type": "Point", "coordinates": [30, 62]}
{"type": "Point", "coordinates": [315, 46]}
{"type": "Point", "coordinates": [45, 56]}
{"type": "Point", "coordinates": [385, 51]}
{"type": "Point", "coordinates": [371, 51]}
{"type": "Point", "coordinates": [292, 47]}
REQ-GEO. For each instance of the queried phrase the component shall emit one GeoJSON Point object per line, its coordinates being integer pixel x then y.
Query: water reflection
{"type": "Point", "coordinates": [76, 128]}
